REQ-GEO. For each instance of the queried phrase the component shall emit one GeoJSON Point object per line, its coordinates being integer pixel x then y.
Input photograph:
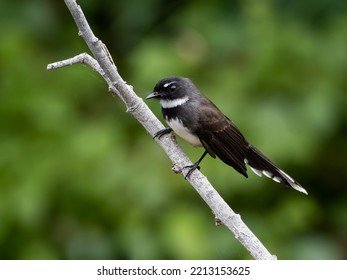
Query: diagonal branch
{"type": "Point", "coordinates": [104, 65]}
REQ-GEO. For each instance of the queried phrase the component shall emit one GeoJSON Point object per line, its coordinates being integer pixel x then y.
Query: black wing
{"type": "Point", "coordinates": [220, 137]}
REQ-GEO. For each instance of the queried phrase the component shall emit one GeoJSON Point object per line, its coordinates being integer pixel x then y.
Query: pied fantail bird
{"type": "Point", "coordinates": [192, 116]}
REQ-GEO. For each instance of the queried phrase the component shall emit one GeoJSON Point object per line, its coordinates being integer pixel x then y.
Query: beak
{"type": "Point", "coordinates": [153, 95]}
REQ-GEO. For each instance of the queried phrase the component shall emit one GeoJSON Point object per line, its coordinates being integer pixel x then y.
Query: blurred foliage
{"type": "Point", "coordinates": [81, 179]}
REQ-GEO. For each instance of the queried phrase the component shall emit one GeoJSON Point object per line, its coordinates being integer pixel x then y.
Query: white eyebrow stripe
{"type": "Point", "coordinates": [168, 84]}
{"type": "Point", "coordinates": [167, 103]}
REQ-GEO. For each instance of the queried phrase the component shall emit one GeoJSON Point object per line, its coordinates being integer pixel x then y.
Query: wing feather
{"type": "Point", "coordinates": [221, 138]}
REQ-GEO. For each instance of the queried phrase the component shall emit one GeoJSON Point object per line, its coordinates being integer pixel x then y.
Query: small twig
{"type": "Point", "coordinates": [82, 58]}
{"type": "Point", "coordinates": [104, 64]}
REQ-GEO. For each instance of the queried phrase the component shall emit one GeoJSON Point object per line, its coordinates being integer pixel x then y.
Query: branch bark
{"type": "Point", "coordinates": [104, 65]}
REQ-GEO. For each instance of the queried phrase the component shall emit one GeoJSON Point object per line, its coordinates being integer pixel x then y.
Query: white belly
{"type": "Point", "coordinates": [183, 132]}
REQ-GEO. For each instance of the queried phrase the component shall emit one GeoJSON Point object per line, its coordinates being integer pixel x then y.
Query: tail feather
{"type": "Point", "coordinates": [261, 165]}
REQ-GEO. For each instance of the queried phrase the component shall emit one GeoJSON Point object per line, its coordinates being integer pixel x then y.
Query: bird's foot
{"type": "Point", "coordinates": [162, 132]}
{"type": "Point", "coordinates": [191, 169]}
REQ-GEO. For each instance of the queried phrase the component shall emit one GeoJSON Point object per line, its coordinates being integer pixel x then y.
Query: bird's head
{"type": "Point", "coordinates": [172, 88]}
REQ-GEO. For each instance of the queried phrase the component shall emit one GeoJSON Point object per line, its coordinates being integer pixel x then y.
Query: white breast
{"type": "Point", "coordinates": [183, 132]}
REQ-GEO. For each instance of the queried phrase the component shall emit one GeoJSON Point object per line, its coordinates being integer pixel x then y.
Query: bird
{"type": "Point", "coordinates": [196, 119]}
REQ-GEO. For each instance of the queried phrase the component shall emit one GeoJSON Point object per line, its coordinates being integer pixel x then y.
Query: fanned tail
{"type": "Point", "coordinates": [261, 165]}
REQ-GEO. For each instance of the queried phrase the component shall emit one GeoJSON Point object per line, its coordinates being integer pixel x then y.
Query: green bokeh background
{"type": "Point", "coordinates": [81, 179]}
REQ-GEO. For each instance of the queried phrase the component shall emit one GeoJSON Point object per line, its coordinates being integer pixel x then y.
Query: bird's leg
{"type": "Point", "coordinates": [195, 165]}
{"type": "Point", "coordinates": [162, 132]}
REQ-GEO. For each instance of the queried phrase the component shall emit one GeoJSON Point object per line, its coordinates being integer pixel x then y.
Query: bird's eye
{"type": "Point", "coordinates": [172, 88]}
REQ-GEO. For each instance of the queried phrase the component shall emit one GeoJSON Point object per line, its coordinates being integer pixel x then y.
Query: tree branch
{"type": "Point", "coordinates": [104, 65]}
{"type": "Point", "coordinates": [82, 58]}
